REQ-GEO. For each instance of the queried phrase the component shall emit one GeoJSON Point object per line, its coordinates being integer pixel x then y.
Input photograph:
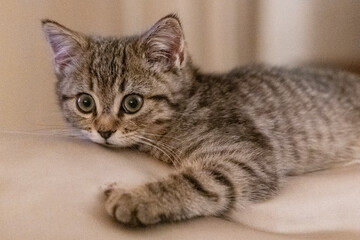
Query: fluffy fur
{"type": "Point", "coordinates": [234, 137]}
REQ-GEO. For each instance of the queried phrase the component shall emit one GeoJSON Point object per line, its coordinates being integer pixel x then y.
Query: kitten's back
{"type": "Point", "coordinates": [310, 117]}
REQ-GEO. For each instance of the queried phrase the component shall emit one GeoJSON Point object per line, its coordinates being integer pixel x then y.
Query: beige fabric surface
{"type": "Point", "coordinates": [50, 189]}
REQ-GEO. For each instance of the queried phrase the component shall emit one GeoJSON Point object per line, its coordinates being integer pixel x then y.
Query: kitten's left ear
{"type": "Point", "coordinates": [163, 45]}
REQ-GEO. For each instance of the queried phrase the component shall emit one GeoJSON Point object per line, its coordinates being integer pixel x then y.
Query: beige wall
{"type": "Point", "coordinates": [296, 31]}
{"type": "Point", "coordinates": [220, 33]}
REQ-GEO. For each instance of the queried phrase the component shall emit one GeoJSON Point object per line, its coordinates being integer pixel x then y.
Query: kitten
{"type": "Point", "coordinates": [234, 137]}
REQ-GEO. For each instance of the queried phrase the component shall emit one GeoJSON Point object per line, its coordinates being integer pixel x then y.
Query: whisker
{"type": "Point", "coordinates": [36, 133]}
{"type": "Point", "coordinates": [164, 148]}
{"type": "Point", "coordinates": [173, 152]}
{"type": "Point", "coordinates": [154, 146]}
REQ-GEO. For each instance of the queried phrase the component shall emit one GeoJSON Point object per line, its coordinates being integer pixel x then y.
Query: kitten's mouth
{"type": "Point", "coordinates": [109, 145]}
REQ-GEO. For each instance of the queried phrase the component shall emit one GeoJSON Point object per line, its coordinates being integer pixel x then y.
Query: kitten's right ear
{"type": "Point", "coordinates": [163, 44]}
{"type": "Point", "coordinates": [67, 45]}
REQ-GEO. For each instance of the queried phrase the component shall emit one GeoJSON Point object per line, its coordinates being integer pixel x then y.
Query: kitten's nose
{"type": "Point", "coordinates": [106, 134]}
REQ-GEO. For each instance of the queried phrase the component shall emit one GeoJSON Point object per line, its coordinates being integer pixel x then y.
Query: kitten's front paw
{"type": "Point", "coordinates": [128, 208]}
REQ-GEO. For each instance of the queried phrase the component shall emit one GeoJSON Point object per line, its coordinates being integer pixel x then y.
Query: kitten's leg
{"type": "Point", "coordinates": [205, 187]}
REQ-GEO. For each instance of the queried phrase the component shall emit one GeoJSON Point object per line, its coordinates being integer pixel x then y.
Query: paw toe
{"type": "Point", "coordinates": [147, 216]}
{"type": "Point", "coordinates": [131, 211]}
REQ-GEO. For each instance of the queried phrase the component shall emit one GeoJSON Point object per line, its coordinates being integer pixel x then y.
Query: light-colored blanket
{"type": "Point", "coordinates": [50, 189]}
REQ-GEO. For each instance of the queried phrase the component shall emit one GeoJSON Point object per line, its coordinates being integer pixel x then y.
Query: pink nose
{"type": "Point", "coordinates": [106, 134]}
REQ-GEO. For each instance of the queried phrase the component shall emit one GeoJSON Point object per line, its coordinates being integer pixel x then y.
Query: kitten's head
{"type": "Point", "coordinates": [120, 91]}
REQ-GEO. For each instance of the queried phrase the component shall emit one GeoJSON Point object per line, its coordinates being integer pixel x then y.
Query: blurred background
{"type": "Point", "coordinates": [221, 34]}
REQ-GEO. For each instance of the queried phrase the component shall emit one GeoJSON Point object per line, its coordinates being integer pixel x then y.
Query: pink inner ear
{"type": "Point", "coordinates": [64, 48]}
{"type": "Point", "coordinates": [64, 58]}
{"type": "Point", "coordinates": [164, 41]}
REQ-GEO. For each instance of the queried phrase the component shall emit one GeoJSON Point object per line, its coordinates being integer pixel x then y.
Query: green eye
{"type": "Point", "coordinates": [132, 103]}
{"type": "Point", "coordinates": [85, 103]}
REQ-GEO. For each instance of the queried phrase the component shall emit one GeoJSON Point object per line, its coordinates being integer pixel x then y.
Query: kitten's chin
{"type": "Point", "coordinates": [112, 144]}
{"type": "Point", "coordinates": [109, 145]}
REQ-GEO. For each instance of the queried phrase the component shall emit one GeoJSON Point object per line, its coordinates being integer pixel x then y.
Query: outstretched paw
{"type": "Point", "coordinates": [131, 208]}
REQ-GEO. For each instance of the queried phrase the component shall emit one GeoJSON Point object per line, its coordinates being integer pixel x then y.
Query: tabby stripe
{"type": "Point", "coordinates": [195, 184]}
{"type": "Point", "coordinates": [218, 152]}
{"type": "Point", "coordinates": [244, 167]}
{"type": "Point", "coordinates": [274, 86]}
{"type": "Point", "coordinates": [122, 85]}
{"type": "Point", "coordinates": [312, 130]}
{"type": "Point", "coordinates": [301, 91]}
{"type": "Point", "coordinates": [113, 67]}
{"type": "Point", "coordinates": [304, 92]}
{"type": "Point", "coordinates": [164, 98]}
{"type": "Point", "coordinates": [268, 184]}
{"type": "Point", "coordinates": [162, 121]}
{"type": "Point", "coordinates": [259, 183]}
{"type": "Point", "coordinates": [123, 68]}
{"type": "Point", "coordinates": [65, 97]}
{"type": "Point", "coordinates": [91, 84]}
{"type": "Point", "coordinates": [123, 60]}
{"type": "Point", "coordinates": [272, 174]}
{"type": "Point", "coordinates": [275, 139]}
{"type": "Point", "coordinates": [225, 181]}
{"type": "Point", "coordinates": [91, 72]}
{"type": "Point", "coordinates": [193, 147]}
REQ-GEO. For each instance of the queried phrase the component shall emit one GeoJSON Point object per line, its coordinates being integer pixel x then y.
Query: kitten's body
{"type": "Point", "coordinates": [308, 118]}
{"type": "Point", "coordinates": [234, 136]}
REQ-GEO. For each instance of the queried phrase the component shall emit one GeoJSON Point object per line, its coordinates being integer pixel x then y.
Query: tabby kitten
{"type": "Point", "coordinates": [233, 137]}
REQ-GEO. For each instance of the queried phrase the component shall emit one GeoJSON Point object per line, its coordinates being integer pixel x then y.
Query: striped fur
{"type": "Point", "coordinates": [233, 137]}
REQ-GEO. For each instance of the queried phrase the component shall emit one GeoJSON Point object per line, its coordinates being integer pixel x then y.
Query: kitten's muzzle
{"type": "Point", "coordinates": [106, 134]}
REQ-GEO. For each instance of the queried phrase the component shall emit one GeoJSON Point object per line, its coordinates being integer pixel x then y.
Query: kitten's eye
{"type": "Point", "coordinates": [85, 103]}
{"type": "Point", "coordinates": [132, 103]}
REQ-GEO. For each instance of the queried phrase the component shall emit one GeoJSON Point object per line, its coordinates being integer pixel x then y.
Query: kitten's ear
{"type": "Point", "coordinates": [163, 44]}
{"type": "Point", "coordinates": [67, 45]}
